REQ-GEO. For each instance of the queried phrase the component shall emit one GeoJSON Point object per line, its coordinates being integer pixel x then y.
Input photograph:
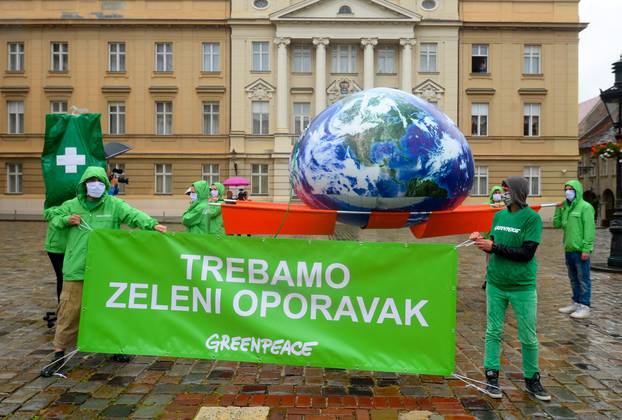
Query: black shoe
{"type": "Point", "coordinates": [53, 367]}
{"type": "Point", "coordinates": [492, 384]}
{"type": "Point", "coordinates": [121, 358]}
{"type": "Point", "coordinates": [535, 388]}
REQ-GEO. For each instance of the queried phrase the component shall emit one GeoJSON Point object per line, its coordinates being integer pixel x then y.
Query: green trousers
{"type": "Point", "coordinates": [525, 305]}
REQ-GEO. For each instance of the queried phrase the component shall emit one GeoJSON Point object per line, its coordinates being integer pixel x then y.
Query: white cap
{"type": "Point", "coordinates": [188, 191]}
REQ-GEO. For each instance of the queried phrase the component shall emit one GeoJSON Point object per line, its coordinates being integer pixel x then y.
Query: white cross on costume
{"type": "Point", "coordinates": [70, 160]}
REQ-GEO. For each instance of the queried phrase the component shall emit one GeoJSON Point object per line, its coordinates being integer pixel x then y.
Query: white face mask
{"type": "Point", "coordinates": [214, 193]}
{"type": "Point", "coordinates": [496, 197]}
{"type": "Point", "coordinates": [570, 195]}
{"type": "Point", "coordinates": [193, 196]}
{"type": "Point", "coordinates": [95, 189]}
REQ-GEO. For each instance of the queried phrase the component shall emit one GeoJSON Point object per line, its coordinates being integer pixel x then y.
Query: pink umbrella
{"type": "Point", "coordinates": [236, 181]}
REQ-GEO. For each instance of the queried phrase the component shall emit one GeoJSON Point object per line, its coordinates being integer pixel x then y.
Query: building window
{"type": "Point", "coordinates": [260, 117]}
{"type": "Point", "coordinates": [301, 117]}
{"type": "Point", "coordinates": [259, 179]}
{"type": "Point", "coordinates": [344, 59]}
{"type": "Point", "coordinates": [16, 56]}
{"type": "Point", "coordinates": [210, 173]}
{"type": "Point", "coordinates": [427, 57]}
{"type": "Point", "coordinates": [121, 186]}
{"type": "Point", "coordinates": [163, 178]}
{"type": "Point", "coordinates": [429, 4]}
{"type": "Point", "coordinates": [531, 120]}
{"type": "Point", "coordinates": [164, 118]}
{"type": "Point", "coordinates": [116, 56]}
{"type": "Point", "coordinates": [386, 60]}
{"type": "Point", "coordinates": [532, 56]}
{"type": "Point", "coordinates": [480, 182]}
{"type": "Point", "coordinates": [532, 173]}
{"type": "Point", "coordinates": [302, 59]}
{"type": "Point", "coordinates": [261, 4]}
{"type": "Point", "coordinates": [116, 118]}
{"type": "Point", "coordinates": [14, 178]}
{"type": "Point", "coordinates": [345, 10]}
{"type": "Point", "coordinates": [261, 56]}
{"type": "Point", "coordinates": [164, 56]}
{"type": "Point", "coordinates": [58, 107]}
{"type": "Point", "coordinates": [479, 58]}
{"type": "Point", "coordinates": [60, 56]}
{"type": "Point", "coordinates": [592, 168]}
{"type": "Point", "coordinates": [15, 111]}
{"type": "Point", "coordinates": [479, 119]}
{"type": "Point", "coordinates": [604, 167]}
{"type": "Point", "coordinates": [211, 56]}
{"type": "Point", "coordinates": [211, 114]}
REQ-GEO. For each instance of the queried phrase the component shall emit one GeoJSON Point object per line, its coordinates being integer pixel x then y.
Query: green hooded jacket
{"type": "Point", "coordinates": [202, 217]}
{"type": "Point", "coordinates": [55, 238]}
{"type": "Point", "coordinates": [492, 191]}
{"type": "Point", "coordinates": [577, 220]}
{"type": "Point", "coordinates": [107, 212]}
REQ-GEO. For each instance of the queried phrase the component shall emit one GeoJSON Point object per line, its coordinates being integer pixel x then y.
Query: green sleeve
{"type": "Point", "coordinates": [133, 217]}
{"type": "Point", "coordinates": [557, 217]}
{"type": "Point", "coordinates": [49, 213]}
{"type": "Point", "coordinates": [533, 229]}
{"type": "Point", "coordinates": [59, 217]}
{"type": "Point", "coordinates": [193, 215]}
{"type": "Point", "coordinates": [213, 211]}
{"type": "Point", "coordinates": [589, 229]}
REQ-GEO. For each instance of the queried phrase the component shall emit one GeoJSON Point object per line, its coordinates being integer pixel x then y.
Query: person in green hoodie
{"type": "Point", "coordinates": [55, 243]}
{"type": "Point", "coordinates": [576, 217]}
{"type": "Point", "coordinates": [91, 209]}
{"type": "Point", "coordinates": [204, 214]}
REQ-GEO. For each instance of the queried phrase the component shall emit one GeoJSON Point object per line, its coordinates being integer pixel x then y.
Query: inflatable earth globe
{"type": "Point", "coordinates": [381, 150]}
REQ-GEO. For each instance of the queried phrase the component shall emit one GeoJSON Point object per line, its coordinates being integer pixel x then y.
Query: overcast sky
{"type": "Point", "coordinates": [600, 45]}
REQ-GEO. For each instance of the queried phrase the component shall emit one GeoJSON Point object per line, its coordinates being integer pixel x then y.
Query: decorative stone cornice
{"type": "Point", "coordinates": [260, 90]}
{"type": "Point", "coordinates": [480, 91]}
{"type": "Point", "coordinates": [429, 90]}
{"type": "Point", "coordinates": [15, 89]}
{"type": "Point", "coordinates": [116, 89]}
{"type": "Point", "coordinates": [532, 91]}
{"type": "Point", "coordinates": [210, 89]}
{"type": "Point", "coordinates": [163, 89]}
{"type": "Point", "coordinates": [408, 42]}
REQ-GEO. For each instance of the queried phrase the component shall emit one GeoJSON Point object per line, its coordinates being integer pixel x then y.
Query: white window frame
{"type": "Point", "coordinates": [14, 171]}
{"type": "Point", "coordinates": [260, 56]}
{"type": "Point", "coordinates": [15, 56]}
{"type": "Point", "coordinates": [62, 54]}
{"type": "Point", "coordinates": [58, 107]}
{"type": "Point", "coordinates": [480, 50]}
{"type": "Point", "coordinates": [344, 58]}
{"type": "Point", "coordinates": [166, 57]}
{"type": "Point", "coordinates": [531, 111]}
{"type": "Point", "coordinates": [259, 176]}
{"type": "Point", "coordinates": [211, 118]}
{"type": "Point", "coordinates": [604, 167]}
{"type": "Point", "coordinates": [210, 172]}
{"type": "Point", "coordinates": [531, 173]}
{"type": "Point", "coordinates": [165, 115]}
{"type": "Point", "coordinates": [263, 117]}
{"type": "Point", "coordinates": [479, 110]}
{"type": "Point", "coordinates": [15, 117]}
{"type": "Point", "coordinates": [532, 59]}
{"type": "Point", "coordinates": [479, 190]}
{"type": "Point", "coordinates": [165, 171]}
{"type": "Point", "coordinates": [301, 59]}
{"type": "Point", "coordinates": [116, 57]}
{"type": "Point", "coordinates": [428, 57]}
{"type": "Point", "coordinates": [211, 57]}
{"type": "Point", "coordinates": [118, 116]}
{"type": "Point", "coordinates": [386, 60]}
{"type": "Point", "coordinates": [301, 113]}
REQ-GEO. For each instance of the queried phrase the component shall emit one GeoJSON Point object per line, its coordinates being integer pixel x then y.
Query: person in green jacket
{"type": "Point", "coordinates": [55, 243]}
{"type": "Point", "coordinates": [91, 209]}
{"type": "Point", "coordinates": [576, 217]}
{"type": "Point", "coordinates": [202, 216]}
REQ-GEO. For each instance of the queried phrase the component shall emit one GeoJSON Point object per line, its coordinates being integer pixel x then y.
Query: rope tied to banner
{"type": "Point", "coordinates": [471, 383]}
{"type": "Point", "coordinates": [67, 357]}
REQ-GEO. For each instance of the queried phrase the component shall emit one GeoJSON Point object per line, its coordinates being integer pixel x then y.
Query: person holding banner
{"type": "Point", "coordinates": [92, 209]}
{"type": "Point", "coordinates": [511, 277]}
{"type": "Point", "coordinates": [204, 215]}
{"type": "Point", "coordinates": [55, 243]}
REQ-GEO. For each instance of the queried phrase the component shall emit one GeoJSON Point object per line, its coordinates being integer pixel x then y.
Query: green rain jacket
{"type": "Point", "coordinates": [492, 191]}
{"type": "Point", "coordinates": [577, 220]}
{"type": "Point", "coordinates": [56, 238]}
{"type": "Point", "coordinates": [202, 217]}
{"type": "Point", "coordinates": [108, 213]}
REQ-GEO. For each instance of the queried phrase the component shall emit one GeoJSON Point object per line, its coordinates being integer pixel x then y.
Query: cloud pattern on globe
{"type": "Point", "coordinates": [382, 150]}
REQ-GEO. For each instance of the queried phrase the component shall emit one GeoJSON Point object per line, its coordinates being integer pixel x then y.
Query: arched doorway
{"type": "Point", "coordinates": [608, 202]}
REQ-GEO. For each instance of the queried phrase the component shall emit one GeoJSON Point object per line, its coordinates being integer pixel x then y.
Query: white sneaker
{"type": "Point", "coordinates": [582, 312]}
{"type": "Point", "coordinates": [570, 308]}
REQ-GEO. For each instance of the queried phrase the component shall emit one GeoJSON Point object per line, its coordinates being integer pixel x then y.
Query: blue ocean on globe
{"type": "Point", "coordinates": [381, 150]}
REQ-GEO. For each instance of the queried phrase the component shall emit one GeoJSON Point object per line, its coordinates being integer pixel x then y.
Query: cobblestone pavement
{"type": "Point", "coordinates": [581, 361]}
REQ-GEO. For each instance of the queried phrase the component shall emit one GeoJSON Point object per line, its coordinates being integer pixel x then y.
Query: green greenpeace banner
{"type": "Point", "coordinates": [72, 143]}
{"type": "Point", "coordinates": [366, 306]}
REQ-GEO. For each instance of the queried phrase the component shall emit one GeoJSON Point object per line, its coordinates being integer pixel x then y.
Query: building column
{"type": "Point", "coordinates": [407, 59]}
{"type": "Point", "coordinates": [368, 61]}
{"type": "Point", "coordinates": [282, 76]}
{"type": "Point", "coordinates": [320, 73]}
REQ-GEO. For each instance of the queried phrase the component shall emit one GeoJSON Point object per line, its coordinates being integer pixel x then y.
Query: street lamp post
{"type": "Point", "coordinates": [612, 98]}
